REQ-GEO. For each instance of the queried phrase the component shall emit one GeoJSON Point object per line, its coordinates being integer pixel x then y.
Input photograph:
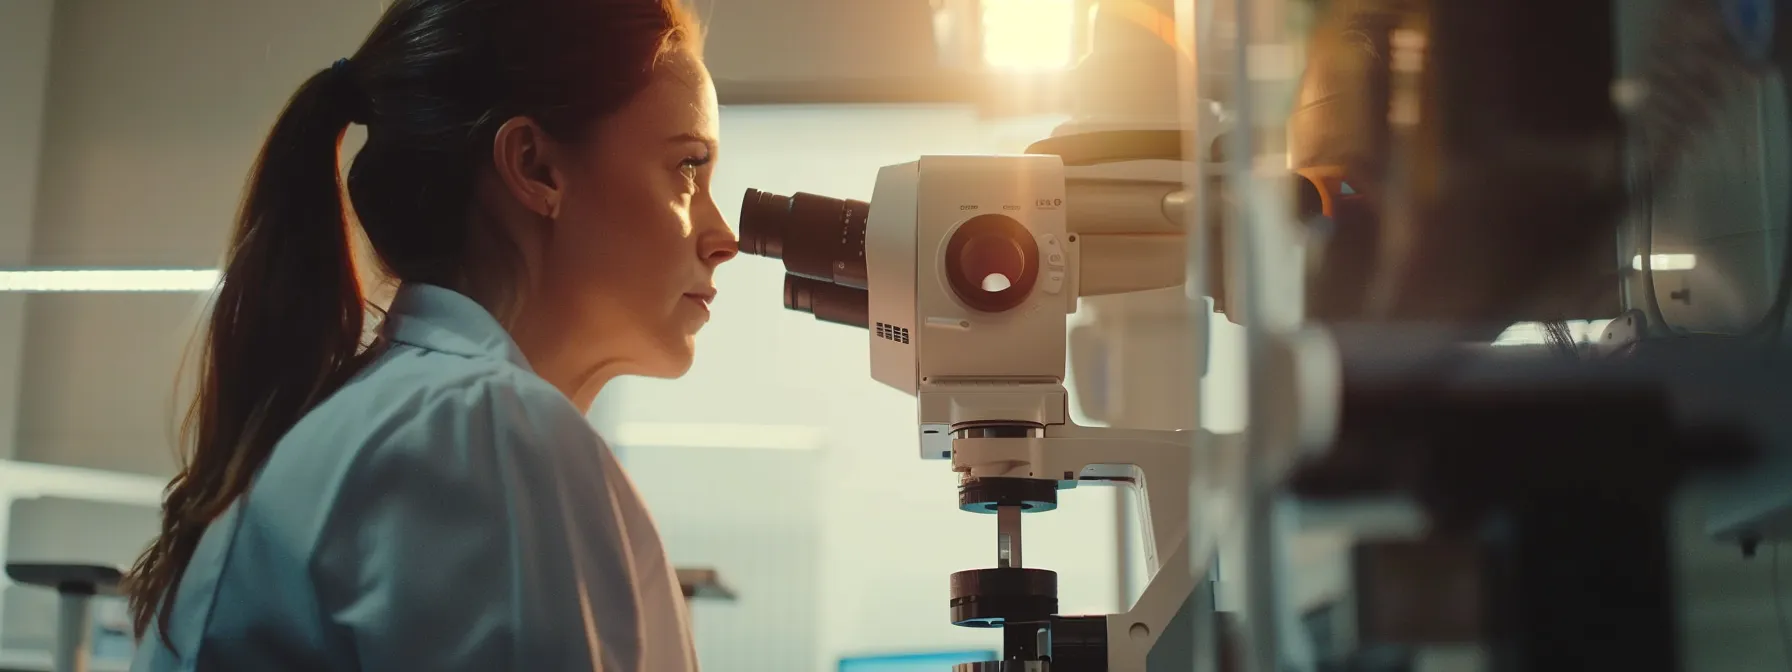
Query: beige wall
{"type": "Point", "coordinates": [132, 156]}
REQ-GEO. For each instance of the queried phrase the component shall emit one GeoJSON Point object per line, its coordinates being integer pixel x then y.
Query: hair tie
{"type": "Point", "coordinates": [345, 93]}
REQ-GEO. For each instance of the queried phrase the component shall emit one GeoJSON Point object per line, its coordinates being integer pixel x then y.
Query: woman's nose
{"type": "Point", "coordinates": [717, 243]}
{"type": "Point", "coordinates": [721, 247]}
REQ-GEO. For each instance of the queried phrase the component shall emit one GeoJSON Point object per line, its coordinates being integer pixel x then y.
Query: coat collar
{"type": "Point", "coordinates": [436, 318]}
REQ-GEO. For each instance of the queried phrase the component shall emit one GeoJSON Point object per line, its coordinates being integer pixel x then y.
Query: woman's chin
{"type": "Point", "coordinates": [675, 358]}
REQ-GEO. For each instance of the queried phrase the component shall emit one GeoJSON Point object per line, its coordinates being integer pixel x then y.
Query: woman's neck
{"type": "Point", "coordinates": [567, 363]}
{"type": "Point", "coordinates": [558, 352]}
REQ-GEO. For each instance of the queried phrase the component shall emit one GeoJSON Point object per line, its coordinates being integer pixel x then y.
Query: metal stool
{"type": "Point", "coordinates": [703, 583]}
{"type": "Point", "coordinates": [76, 584]}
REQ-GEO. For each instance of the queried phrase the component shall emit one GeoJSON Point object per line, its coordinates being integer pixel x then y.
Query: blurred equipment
{"type": "Point", "coordinates": [76, 584]}
{"type": "Point", "coordinates": [1411, 141]}
{"type": "Point", "coordinates": [1464, 166]}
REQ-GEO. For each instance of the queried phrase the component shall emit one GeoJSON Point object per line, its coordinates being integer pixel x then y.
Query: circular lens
{"type": "Point", "coordinates": [816, 236]}
{"type": "Point", "coordinates": [762, 219]}
{"type": "Point", "coordinates": [828, 302]}
{"type": "Point", "coordinates": [992, 263]}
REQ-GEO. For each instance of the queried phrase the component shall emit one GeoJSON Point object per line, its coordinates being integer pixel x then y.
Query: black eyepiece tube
{"type": "Point", "coordinates": [816, 236]}
{"type": "Point", "coordinates": [828, 302]}
{"type": "Point", "coordinates": [762, 217]}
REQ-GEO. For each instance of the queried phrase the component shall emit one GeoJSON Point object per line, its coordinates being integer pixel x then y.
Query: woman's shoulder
{"type": "Point", "coordinates": [422, 407]}
{"type": "Point", "coordinates": [407, 374]}
{"type": "Point", "coordinates": [415, 432]}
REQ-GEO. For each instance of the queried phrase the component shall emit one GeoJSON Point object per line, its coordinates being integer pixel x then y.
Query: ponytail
{"type": "Point", "coordinates": [285, 329]}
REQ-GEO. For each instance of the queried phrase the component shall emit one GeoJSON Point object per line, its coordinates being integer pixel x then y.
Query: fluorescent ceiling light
{"type": "Point", "coordinates": [1028, 35]}
{"type": "Point", "coordinates": [30, 480]}
{"type": "Point", "coordinates": [109, 280]}
{"type": "Point", "coordinates": [719, 435]}
{"type": "Point", "coordinates": [1532, 333]}
{"type": "Point", "coordinates": [1666, 262]}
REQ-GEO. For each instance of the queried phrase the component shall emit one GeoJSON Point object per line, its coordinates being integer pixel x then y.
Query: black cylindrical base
{"type": "Point", "coordinates": [984, 495]}
{"type": "Point", "coordinates": [989, 598]}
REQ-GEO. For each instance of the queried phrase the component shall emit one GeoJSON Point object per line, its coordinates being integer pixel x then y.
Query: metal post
{"type": "Point", "coordinates": [1123, 539]}
{"type": "Point", "coordinates": [74, 628]}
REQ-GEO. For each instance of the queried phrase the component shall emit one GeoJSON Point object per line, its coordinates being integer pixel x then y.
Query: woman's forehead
{"type": "Point", "coordinates": [681, 95]}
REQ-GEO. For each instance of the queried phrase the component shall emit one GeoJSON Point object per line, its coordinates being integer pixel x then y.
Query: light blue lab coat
{"type": "Point", "coordinates": [448, 510]}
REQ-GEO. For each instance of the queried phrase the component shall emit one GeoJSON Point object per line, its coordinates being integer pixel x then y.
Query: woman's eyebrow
{"type": "Point", "coordinates": [694, 137]}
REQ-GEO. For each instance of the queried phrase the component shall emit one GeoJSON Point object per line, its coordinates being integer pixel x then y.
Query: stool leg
{"type": "Point", "coordinates": [73, 630]}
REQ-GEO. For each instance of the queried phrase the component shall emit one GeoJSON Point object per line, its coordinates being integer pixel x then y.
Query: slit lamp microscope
{"type": "Point", "coordinates": [964, 271]}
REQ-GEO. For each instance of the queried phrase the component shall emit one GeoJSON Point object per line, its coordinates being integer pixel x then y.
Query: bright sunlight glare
{"type": "Point", "coordinates": [109, 280]}
{"type": "Point", "coordinates": [1028, 35]}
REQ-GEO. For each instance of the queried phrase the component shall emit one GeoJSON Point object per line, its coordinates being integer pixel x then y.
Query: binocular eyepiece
{"type": "Point", "coordinates": [822, 243]}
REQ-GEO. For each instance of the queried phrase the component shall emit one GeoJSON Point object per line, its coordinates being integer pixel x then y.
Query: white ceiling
{"type": "Point", "coordinates": [784, 41]}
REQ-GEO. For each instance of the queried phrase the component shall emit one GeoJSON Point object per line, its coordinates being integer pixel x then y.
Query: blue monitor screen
{"type": "Point", "coordinates": [937, 661]}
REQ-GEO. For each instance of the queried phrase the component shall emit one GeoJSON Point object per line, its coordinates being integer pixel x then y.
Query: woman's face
{"type": "Point", "coordinates": [636, 235]}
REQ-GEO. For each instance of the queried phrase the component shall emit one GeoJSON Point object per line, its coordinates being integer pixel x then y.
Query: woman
{"type": "Point", "coordinates": [536, 176]}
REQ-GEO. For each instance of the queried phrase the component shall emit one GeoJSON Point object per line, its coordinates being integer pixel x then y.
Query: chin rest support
{"type": "Point", "coordinates": [76, 584]}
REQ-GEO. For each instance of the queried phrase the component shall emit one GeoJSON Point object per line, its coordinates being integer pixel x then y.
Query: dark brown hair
{"type": "Point", "coordinates": [432, 83]}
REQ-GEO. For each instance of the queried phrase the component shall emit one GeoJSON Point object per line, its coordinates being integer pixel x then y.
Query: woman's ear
{"type": "Point", "coordinates": [525, 159]}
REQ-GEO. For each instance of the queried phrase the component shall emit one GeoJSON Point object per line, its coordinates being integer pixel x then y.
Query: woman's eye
{"type": "Point", "coordinates": [689, 167]}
